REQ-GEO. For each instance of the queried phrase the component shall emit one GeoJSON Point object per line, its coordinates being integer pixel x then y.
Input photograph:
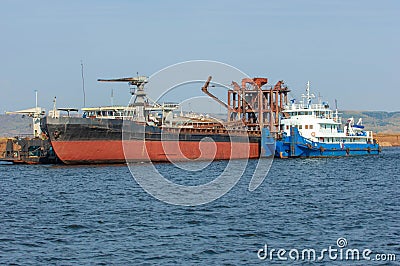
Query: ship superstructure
{"type": "Point", "coordinates": [310, 129]}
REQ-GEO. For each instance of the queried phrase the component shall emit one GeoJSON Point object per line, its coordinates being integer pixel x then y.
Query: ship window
{"type": "Point", "coordinates": [306, 126]}
{"type": "Point", "coordinates": [287, 127]}
{"type": "Point", "coordinates": [311, 126]}
{"type": "Point", "coordinates": [300, 126]}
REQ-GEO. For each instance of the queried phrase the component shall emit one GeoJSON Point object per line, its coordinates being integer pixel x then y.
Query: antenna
{"type": "Point", "coordinates": [336, 112]}
{"type": "Point", "coordinates": [308, 95]}
{"type": "Point", "coordinates": [83, 85]}
{"type": "Point", "coordinates": [54, 107]}
{"type": "Point", "coordinates": [36, 99]}
{"type": "Point", "coordinates": [112, 97]}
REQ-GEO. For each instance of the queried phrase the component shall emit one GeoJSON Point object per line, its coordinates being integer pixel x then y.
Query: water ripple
{"type": "Point", "coordinates": [99, 215]}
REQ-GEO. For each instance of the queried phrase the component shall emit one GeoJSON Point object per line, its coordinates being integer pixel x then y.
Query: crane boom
{"type": "Point", "coordinates": [205, 90]}
{"type": "Point", "coordinates": [137, 81]}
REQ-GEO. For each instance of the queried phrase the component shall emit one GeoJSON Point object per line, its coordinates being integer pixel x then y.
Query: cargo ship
{"type": "Point", "coordinates": [315, 130]}
{"type": "Point", "coordinates": [151, 131]}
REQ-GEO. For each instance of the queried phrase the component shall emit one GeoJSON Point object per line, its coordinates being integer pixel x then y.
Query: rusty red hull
{"type": "Point", "coordinates": [109, 151]}
{"type": "Point", "coordinates": [95, 141]}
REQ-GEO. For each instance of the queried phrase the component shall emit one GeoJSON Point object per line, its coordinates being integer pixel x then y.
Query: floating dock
{"type": "Point", "coordinates": [33, 149]}
{"type": "Point", "coordinates": [27, 150]}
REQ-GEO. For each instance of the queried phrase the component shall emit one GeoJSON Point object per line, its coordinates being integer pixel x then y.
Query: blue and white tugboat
{"type": "Point", "coordinates": [314, 130]}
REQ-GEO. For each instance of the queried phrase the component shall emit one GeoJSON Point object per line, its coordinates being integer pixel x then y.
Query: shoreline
{"type": "Point", "coordinates": [388, 139]}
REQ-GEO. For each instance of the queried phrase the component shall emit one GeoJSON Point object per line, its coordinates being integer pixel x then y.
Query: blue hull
{"type": "Point", "coordinates": [297, 146]}
{"type": "Point", "coordinates": [267, 144]}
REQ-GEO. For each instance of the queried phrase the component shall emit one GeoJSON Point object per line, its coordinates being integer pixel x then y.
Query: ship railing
{"type": "Point", "coordinates": [296, 106]}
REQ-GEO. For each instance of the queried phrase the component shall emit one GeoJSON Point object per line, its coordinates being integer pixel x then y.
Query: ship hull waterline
{"type": "Point", "coordinates": [118, 151]}
{"type": "Point", "coordinates": [107, 141]}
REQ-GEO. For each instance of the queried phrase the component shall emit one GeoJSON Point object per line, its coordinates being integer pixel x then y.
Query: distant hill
{"type": "Point", "coordinates": [377, 121]}
{"type": "Point", "coordinates": [13, 125]}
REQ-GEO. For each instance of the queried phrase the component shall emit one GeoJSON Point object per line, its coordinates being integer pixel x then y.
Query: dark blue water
{"type": "Point", "coordinates": [100, 215]}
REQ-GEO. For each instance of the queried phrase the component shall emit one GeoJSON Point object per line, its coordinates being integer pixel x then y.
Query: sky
{"type": "Point", "coordinates": [348, 50]}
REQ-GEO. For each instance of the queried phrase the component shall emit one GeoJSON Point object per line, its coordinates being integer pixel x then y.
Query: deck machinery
{"type": "Point", "coordinates": [254, 103]}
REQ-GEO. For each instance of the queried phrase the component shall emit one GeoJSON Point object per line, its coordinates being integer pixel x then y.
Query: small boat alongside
{"type": "Point", "coordinates": [314, 130]}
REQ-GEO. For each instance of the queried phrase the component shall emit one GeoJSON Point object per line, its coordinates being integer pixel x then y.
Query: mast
{"type": "Point", "coordinates": [308, 96]}
{"type": "Point", "coordinates": [36, 99]}
{"type": "Point", "coordinates": [83, 85]}
{"type": "Point", "coordinates": [336, 112]}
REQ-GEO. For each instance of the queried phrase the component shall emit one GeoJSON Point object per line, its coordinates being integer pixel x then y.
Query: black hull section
{"type": "Point", "coordinates": [88, 129]}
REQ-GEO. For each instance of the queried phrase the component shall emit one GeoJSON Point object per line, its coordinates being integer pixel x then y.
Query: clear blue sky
{"type": "Point", "coordinates": [349, 50]}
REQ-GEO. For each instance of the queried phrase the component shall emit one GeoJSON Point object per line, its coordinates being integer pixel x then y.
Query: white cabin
{"type": "Point", "coordinates": [318, 123]}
